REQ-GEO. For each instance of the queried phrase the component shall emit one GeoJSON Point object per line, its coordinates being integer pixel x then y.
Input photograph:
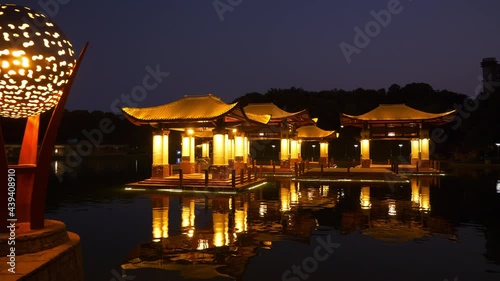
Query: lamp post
{"type": "Point", "coordinates": [313, 146]}
{"type": "Point", "coordinates": [38, 69]}
{"type": "Point", "coordinates": [355, 150]}
{"type": "Point", "coordinates": [498, 148]}
{"type": "Point", "coordinates": [273, 146]}
{"type": "Point", "coordinates": [400, 146]}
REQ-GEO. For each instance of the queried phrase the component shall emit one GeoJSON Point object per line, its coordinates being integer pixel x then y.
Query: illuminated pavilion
{"type": "Point", "coordinates": [197, 116]}
{"type": "Point", "coordinates": [397, 122]}
{"type": "Point", "coordinates": [282, 126]}
{"type": "Point", "coordinates": [313, 133]}
{"type": "Point", "coordinates": [229, 127]}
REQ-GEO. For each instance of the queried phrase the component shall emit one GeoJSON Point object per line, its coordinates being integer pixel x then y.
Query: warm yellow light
{"type": "Point", "coordinates": [202, 244]}
{"type": "Point", "coordinates": [240, 219]}
{"type": "Point", "coordinates": [285, 199]}
{"type": "Point", "coordinates": [219, 150]}
{"type": "Point", "coordinates": [425, 198]}
{"type": "Point", "coordinates": [365, 198]}
{"type": "Point", "coordinates": [160, 218]}
{"type": "Point", "coordinates": [221, 231]}
{"type": "Point", "coordinates": [190, 132]}
{"type": "Point", "coordinates": [157, 149]}
{"type": "Point", "coordinates": [34, 69]}
{"type": "Point", "coordinates": [235, 130]}
{"type": "Point", "coordinates": [392, 208]}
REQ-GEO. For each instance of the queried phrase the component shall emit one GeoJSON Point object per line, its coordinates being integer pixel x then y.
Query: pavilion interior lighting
{"type": "Point", "coordinates": [36, 61]}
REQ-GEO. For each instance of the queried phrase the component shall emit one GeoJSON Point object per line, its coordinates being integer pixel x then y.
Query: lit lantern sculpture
{"type": "Point", "coordinates": [37, 68]}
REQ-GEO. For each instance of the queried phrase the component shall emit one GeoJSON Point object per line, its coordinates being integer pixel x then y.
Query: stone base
{"type": "Point", "coordinates": [160, 171]}
{"type": "Point", "coordinates": [323, 160]}
{"type": "Point", "coordinates": [187, 167]}
{"type": "Point", "coordinates": [220, 172]}
{"type": "Point", "coordinates": [230, 163]}
{"type": "Point", "coordinates": [366, 163]}
{"type": "Point", "coordinates": [238, 166]}
{"type": "Point", "coordinates": [425, 164]}
{"type": "Point", "coordinates": [49, 254]}
{"type": "Point", "coordinates": [414, 161]}
{"type": "Point", "coordinates": [285, 164]}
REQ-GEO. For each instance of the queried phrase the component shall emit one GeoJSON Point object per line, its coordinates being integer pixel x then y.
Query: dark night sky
{"type": "Point", "coordinates": [272, 44]}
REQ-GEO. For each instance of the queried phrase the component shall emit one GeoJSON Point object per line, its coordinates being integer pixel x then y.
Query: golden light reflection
{"type": "Point", "coordinates": [285, 199]}
{"type": "Point", "coordinates": [25, 92]}
{"type": "Point", "coordinates": [324, 190]}
{"type": "Point", "coordinates": [294, 198]}
{"type": "Point", "coordinates": [221, 231]}
{"type": "Point", "coordinates": [392, 208]}
{"type": "Point", "coordinates": [160, 217]}
{"type": "Point", "coordinates": [240, 219]}
{"type": "Point", "coordinates": [262, 209]}
{"type": "Point", "coordinates": [365, 198]}
{"type": "Point", "coordinates": [425, 197]}
{"type": "Point", "coordinates": [188, 216]}
{"type": "Point", "coordinates": [415, 193]}
{"type": "Point", "coordinates": [202, 244]}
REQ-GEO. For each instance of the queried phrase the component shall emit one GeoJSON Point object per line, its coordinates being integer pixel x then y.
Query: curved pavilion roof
{"type": "Point", "coordinates": [193, 110]}
{"type": "Point", "coordinates": [312, 133]}
{"type": "Point", "coordinates": [396, 113]}
{"type": "Point", "coordinates": [301, 118]}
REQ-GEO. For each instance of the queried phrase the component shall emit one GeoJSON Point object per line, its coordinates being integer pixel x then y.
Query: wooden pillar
{"type": "Point", "coordinates": [220, 169]}
{"type": "Point", "coordinates": [284, 153]}
{"type": "Point", "coordinates": [323, 152]}
{"type": "Point", "coordinates": [188, 164]}
{"type": "Point", "coordinates": [365, 149]}
{"type": "Point", "coordinates": [415, 151]}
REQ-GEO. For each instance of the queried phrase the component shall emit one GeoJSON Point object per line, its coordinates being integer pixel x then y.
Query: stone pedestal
{"type": "Point", "coordinates": [48, 254]}
{"type": "Point", "coordinates": [323, 160]}
{"type": "Point", "coordinates": [366, 163]}
{"type": "Point", "coordinates": [239, 165]}
{"type": "Point", "coordinates": [160, 171]}
{"type": "Point", "coordinates": [187, 167]}
{"type": "Point", "coordinates": [425, 164]}
{"type": "Point", "coordinates": [220, 172]}
{"type": "Point", "coordinates": [414, 161]}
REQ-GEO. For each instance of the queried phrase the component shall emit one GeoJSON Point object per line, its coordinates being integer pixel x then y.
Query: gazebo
{"type": "Point", "coordinates": [282, 126]}
{"type": "Point", "coordinates": [313, 133]}
{"type": "Point", "coordinates": [397, 122]}
{"type": "Point", "coordinates": [197, 116]}
{"type": "Point", "coordinates": [230, 127]}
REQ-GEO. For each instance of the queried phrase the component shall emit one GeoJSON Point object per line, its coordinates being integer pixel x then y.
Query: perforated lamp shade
{"type": "Point", "coordinates": [36, 61]}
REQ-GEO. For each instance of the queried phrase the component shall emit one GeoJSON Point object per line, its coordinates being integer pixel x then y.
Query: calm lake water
{"type": "Point", "coordinates": [445, 228]}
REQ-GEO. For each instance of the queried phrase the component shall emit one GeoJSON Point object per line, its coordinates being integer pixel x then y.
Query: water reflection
{"type": "Point", "coordinates": [160, 206]}
{"type": "Point", "coordinates": [227, 230]}
{"type": "Point", "coordinates": [188, 216]}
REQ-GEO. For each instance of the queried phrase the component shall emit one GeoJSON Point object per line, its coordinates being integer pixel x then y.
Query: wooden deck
{"type": "Point", "coordinates": [380, 175]}
{"type": "Point", "coordinates": [197, 182]}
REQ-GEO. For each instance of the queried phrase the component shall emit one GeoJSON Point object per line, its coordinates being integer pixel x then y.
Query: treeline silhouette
{"type": "Point", "coordinates": [478, 130]}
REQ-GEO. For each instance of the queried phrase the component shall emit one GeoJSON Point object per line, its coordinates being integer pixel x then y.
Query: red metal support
{"type": "Point", "coordinates": [39, 194]}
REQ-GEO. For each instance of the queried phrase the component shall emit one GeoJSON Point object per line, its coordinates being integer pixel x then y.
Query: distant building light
{"type": "Point", "coordinates": [261, 134]}
{"type": "Point", "coordinates": [391, 134]}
